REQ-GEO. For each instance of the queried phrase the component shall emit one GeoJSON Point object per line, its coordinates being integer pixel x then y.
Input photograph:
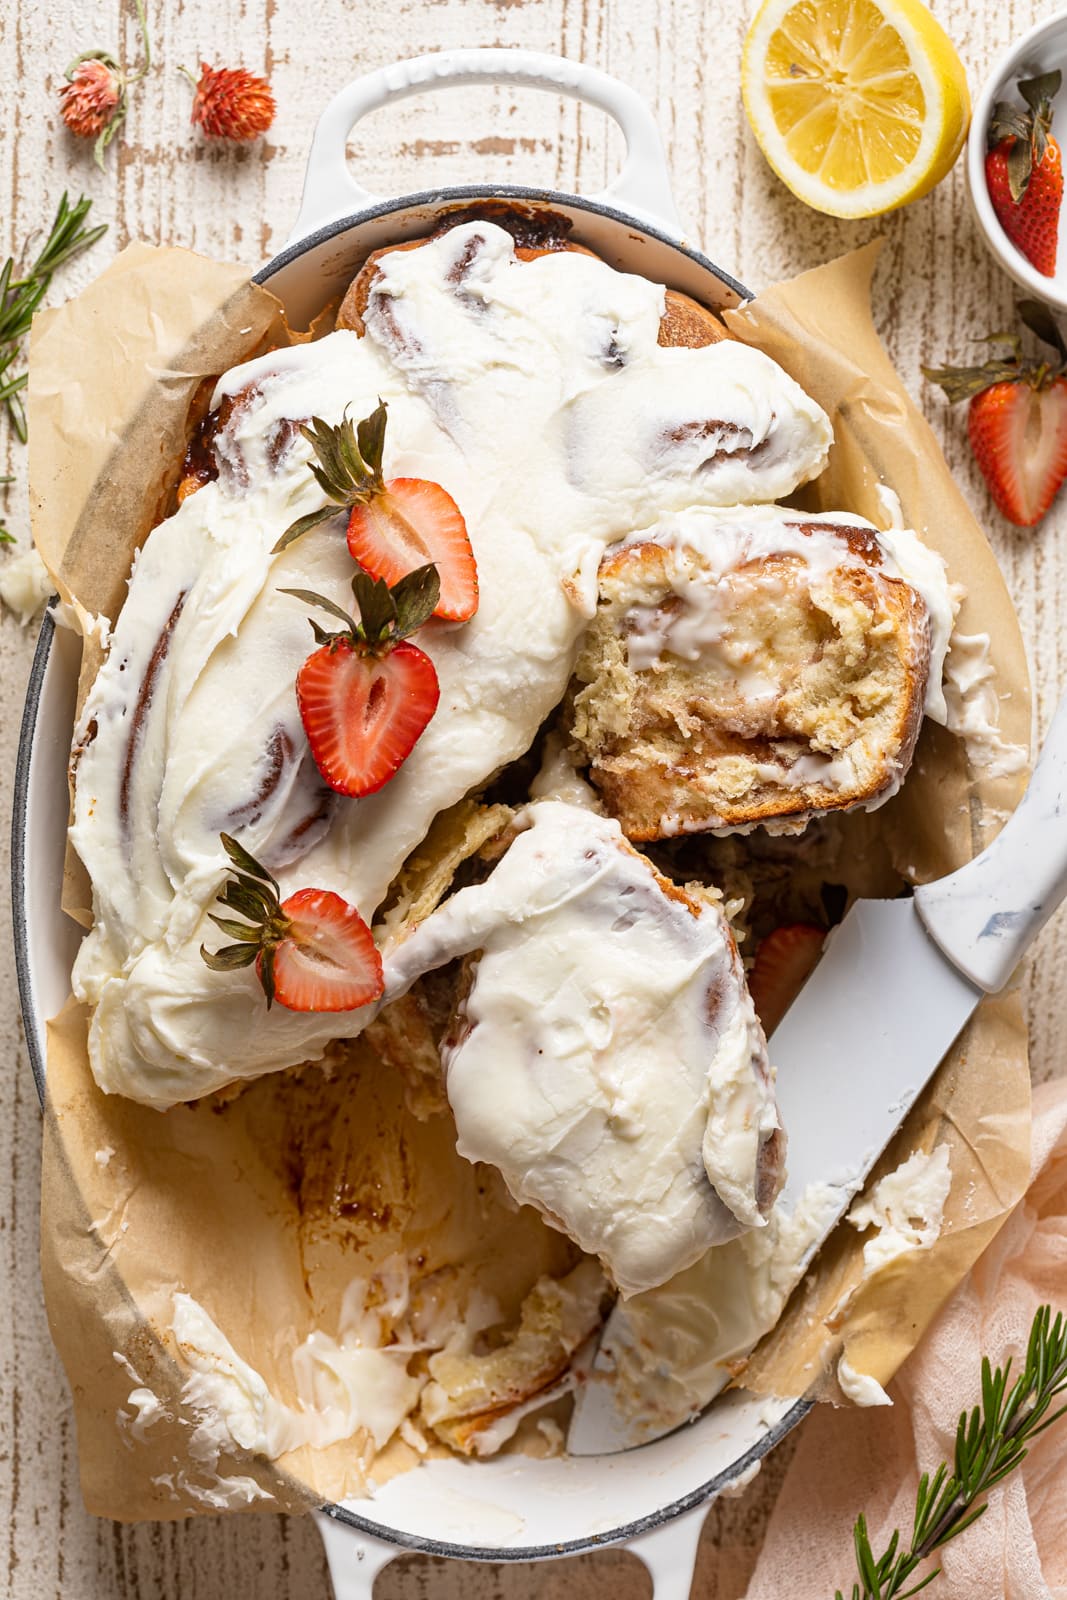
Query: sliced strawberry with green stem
{"type": "Point", "coordinates": [367, 694]}
{"type": "Point", "coordinates": [412, 521]}
{"type": "Point", "coordinates": [312, 951]}
{"type": "Point", "coordinates": [1017, 418]}
{"type": "Point", "coordinates": [395, 525]}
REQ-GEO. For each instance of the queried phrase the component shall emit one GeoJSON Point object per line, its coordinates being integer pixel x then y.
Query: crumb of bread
{"type": "Point", "coordinates": [809, 700]}
{"type": "Point", "coordinates": [426, 876]}
{"type": "Point", "coordinates": [403, 1037]}
{"type": "Point", "coordinates": [469, 1393]}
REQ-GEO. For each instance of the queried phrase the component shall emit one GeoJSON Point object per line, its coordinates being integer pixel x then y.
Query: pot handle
{"type": "Point", "coordinates": [642, 188]}
{"type": "Point", "coordinates": [354, 1558]}
{"type": "Point", "coordinates": [669, 1551]}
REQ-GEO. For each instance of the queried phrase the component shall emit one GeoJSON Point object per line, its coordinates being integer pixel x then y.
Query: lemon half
{"type": "Point", "coordinates": [858, 107]}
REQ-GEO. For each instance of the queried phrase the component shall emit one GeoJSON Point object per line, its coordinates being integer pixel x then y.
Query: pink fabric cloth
{"type": "Point", "coordinates": [853, 1460]}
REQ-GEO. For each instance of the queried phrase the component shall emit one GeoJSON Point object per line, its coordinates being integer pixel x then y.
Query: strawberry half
{"type": "Point", "coordinates": [311, 952]}
{"type": "Point", "coordinates": [1017, 419]}
{"type": "Point", "coordinates": [366, 695]}
{"type": "Point", "coordinates": [412, 521]}
{"type": "Point", "coordinates": [364, 714]}
{"type": "Point", "coordinates": [327, 961]}
{"type": "Point", "coordinates": [1019, 438]}
{"type": "Point", "coordinates": [1024, 171]}
{"type": "Point", "coordinates": [784, 962]}
{"type": "Point", "coordinates": [395, 525]}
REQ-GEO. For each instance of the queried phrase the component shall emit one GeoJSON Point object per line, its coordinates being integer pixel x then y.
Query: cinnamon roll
{"type": "Point", "coordinates": [491, 367]}
{"type": "Point", "coordinates": [757, 665]}
{"type": "Point", "coordinates": [631, 1101]}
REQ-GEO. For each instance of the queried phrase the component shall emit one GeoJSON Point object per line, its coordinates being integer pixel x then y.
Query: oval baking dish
{"type": "Point", "coordinates": [509, 1508]}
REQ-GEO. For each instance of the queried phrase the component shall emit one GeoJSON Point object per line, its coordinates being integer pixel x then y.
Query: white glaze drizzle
{"type": "Point", "coordinates": [728, 539]}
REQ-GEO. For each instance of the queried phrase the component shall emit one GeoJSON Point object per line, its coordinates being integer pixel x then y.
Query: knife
{"type": "Point", "coordinates": [896, 984]}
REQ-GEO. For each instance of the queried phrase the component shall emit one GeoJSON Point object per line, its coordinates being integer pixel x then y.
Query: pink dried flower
{"type": "Point", "coordinates": [88, 101]}
{"type": "Point", "coordinates": [94, 100]}
{"type": "Point", "coordinates": [231, 103]}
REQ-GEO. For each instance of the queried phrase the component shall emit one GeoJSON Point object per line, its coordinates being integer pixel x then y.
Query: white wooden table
{"type": "Point", "coordinates": [936, 290]}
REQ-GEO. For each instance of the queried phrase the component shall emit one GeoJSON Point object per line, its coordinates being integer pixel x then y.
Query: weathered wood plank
{"type": "Point", "coordinates": [936, 291]}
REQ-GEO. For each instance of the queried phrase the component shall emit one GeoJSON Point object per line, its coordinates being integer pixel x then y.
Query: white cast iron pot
{"type": "Point", "coordinates": [512, 1508]}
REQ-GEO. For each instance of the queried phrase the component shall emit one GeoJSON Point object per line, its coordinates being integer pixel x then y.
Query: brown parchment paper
{"type": "Point", "coordinates": [265, 1206]}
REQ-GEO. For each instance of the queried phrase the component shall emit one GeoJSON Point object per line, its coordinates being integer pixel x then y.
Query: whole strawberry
{"type": "Point", "coordinates": [311, 951]}
{"type": "Point", "coordinates": [1024, 171]}
{"type": "Point", "coordinates": [231, 103]}
{"type": "Point", "coordinates": [367, 694]}
{"type": "Point", "coordinates": [1017, 418]}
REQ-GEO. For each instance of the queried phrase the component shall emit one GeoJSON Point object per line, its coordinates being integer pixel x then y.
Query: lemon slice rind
{"type": "Point", "coordinates": [944, 116]}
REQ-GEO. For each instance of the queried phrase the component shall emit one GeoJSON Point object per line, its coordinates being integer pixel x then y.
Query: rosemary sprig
{"type": "Point", "coordinates": [991, 1441]}
{"type": "Point", "coordinates": [20, 297]}
{"type": "Point", "coordinates": [6, 537]}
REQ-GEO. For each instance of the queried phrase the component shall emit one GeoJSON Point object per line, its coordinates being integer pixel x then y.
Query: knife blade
{"type": "Point", "coordinates": [896, 984]}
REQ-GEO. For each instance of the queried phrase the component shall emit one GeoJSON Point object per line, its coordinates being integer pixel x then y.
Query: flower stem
{"type": "Point", "coordinates": [142, 21]}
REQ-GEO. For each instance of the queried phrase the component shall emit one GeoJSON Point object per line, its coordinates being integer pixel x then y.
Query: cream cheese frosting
{"type": "Point", "coordinates": [608, 1059]}
{"type": "Point", "coordinates": [906, 1207]}
{"type": "Point", "coordinates": [344, 1385]}
{"type": "Point", "coordinates": [24, 584]}
{"type": "Point", "coordinates": [973, 707]}
{"type": "Point", "coordinates": [670, 1351]}
{"type": "Point", "coordinates": [860, 1387]}
{"type": "Point", "coordinates": [493, 370]}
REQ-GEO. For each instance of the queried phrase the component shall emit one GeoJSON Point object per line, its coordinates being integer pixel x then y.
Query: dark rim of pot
{"type": "Point", "coordinates": [18, 849]}
{"type": "Point", "coordinates": [437, 197]}
{"type": "Point", "coordinates": [597, 1541]}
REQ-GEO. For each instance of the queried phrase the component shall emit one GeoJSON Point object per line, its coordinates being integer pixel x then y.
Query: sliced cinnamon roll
{"type": "Point", "coordinates": [605, 1057]}
{"type": "Point", "coordinates": [756, 665]}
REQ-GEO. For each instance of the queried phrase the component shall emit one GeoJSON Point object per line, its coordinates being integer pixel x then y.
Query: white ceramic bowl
{"type": "Point", "coordinates": [1043, 49]}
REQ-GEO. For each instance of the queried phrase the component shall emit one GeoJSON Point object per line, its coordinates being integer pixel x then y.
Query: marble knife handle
{"type": "Point", "coordinates": [985, 916]}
